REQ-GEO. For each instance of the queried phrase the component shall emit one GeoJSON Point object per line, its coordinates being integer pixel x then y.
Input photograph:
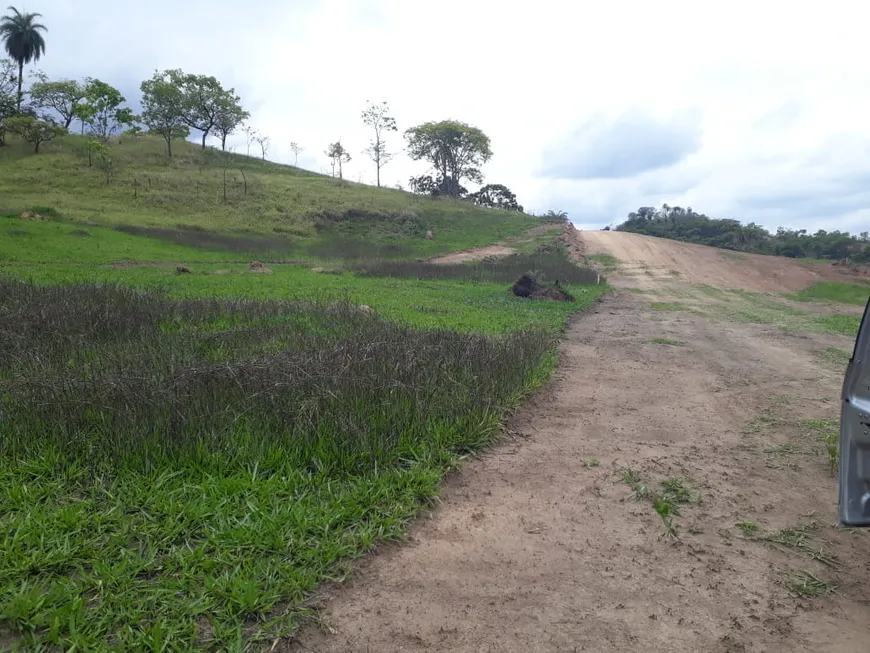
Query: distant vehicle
{"type": "Point", "coordinates": [855, 432]}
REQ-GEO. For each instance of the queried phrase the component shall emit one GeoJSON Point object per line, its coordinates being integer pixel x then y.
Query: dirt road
{"type": "Point", "coordinates": [551, 541]}
{"type": "Point", "coordinates": [647, 262]}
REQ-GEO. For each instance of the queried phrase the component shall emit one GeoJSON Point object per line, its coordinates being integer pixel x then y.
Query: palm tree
{"type": "Point", "coordinates": [24, 43]}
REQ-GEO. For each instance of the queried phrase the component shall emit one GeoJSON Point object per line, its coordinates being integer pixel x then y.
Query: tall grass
{"type": "Point", "coordinates": [110, 375]}
{"type": "Point", "coordinates": [553, 266]}
{"type": "Point", "coordinates": [180, 474]}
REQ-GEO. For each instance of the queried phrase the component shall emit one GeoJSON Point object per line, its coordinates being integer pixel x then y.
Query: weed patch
{"type": "Point", "coordinates": [828, 431]}
{"type": "Point", "coordinates": [665, 502]}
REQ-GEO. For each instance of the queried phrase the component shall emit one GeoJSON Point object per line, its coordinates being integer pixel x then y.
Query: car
{"type": "Point", "coordinates": [854, 495]}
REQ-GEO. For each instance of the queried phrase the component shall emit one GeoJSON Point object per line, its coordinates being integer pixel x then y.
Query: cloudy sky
{"type": "Point", "coordinates": [753, 110]}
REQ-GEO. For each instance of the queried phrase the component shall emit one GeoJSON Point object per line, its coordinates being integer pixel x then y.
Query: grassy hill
{"type": "Point", "coordinates": [184, 457]}
{"type": "Point", "coordinates": [297, 211]}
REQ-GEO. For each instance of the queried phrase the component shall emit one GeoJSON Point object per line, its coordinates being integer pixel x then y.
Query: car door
{"type": "Point", "coordinates": [855, 432]}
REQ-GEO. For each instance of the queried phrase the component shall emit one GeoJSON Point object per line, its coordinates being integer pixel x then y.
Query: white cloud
{"type": "Point", "coordinates": [779, 90]}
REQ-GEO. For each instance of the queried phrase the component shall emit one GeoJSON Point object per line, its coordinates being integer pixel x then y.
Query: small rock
{"type": "Point", "coordinates": [366, 309]}
{"type": "Point", "coordinates": [317, 270]}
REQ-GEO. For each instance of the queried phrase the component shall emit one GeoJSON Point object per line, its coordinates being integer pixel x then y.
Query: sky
{"type": "Point", "coordinates": [758, 111]}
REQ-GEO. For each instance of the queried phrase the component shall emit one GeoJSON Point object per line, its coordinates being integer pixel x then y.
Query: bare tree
{"type": "Point", "coordinates": [263, 141]}
{"type": "Point", "coordinates": [296, 150]}
{"type": "Point", "coordinates": [377, 116]}
{"type": "Point", "coordinates": [339, 156]}
{"type": "Point", "coordinates": [250, 134]}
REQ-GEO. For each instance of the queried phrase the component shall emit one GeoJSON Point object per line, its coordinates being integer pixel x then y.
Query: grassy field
{"type": "Point", "coordinates": [836, 291]}
{"type": "Point", "coordinates": [760, 308]}
{"type": "Point", "coordinates": [185, 457]}
{"type": "Point", "coordinates": [312, 212]}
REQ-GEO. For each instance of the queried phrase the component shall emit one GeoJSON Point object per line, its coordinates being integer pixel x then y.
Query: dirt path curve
{"type": "Point", "coordinates": [541, 545]}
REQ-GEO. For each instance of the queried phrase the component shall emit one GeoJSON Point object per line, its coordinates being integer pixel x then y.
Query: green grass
{"type": "Point", "coordinates": [668, 306]}
{"type": "Point", "coordinates": [33, 242]}
{"type": "Point", "coordinates": [806, 585]}
{"type": "Point", "coordinates": [828, 432]}
{"type": "Point", "coordinates": [665, 502]}
{"type": "Point", "coordinates": [457, 305]}
{"type": "Point", "coordinates": [837, 356]}
{"type": "Point", "coordinates": [666, 341]}
{"type": "Point", "coordinates": [835, 291]}
{"type": "Point", "coordinates": [182, 466]}
{"type": "Point", "coordinates": [606, 260]}
{"type": "Point", "coordinates": [748, 527]}
{"type": "Point", "coordinates": [147, 189]}
{"type": "Point", "coordinates": [181, 473]}
{"type": "Point", "coordinates": [184, 458]}
{"type": "Point", "coordinates": [736, 305]}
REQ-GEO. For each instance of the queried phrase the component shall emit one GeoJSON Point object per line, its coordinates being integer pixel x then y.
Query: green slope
{"type": "Point", "coordinates": [145, 188]}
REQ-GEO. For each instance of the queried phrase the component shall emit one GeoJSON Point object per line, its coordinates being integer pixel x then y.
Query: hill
{"type": "Point", "coordinates": [195, 190]}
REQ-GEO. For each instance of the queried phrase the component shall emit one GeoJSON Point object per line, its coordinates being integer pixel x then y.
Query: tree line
{"type": "Point", "coordinates": [174, 103]}
{"type": "Point", "coordinates": [686, 225]}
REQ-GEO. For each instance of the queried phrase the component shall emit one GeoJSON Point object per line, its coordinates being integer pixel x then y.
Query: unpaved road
{"type": "Point", "coordinates": [646, 262]}
{"type": "Point", "coordinates": [540, 545]}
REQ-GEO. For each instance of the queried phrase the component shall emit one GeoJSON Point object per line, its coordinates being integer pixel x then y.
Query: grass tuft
{"type": "Point", "coordinates": [806, 585]}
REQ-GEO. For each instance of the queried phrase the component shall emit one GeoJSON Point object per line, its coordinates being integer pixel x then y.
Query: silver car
{"type": "Point", "coordinates": [855, 432]}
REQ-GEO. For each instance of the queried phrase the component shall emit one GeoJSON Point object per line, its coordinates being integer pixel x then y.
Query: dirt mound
{"type": "Point", "coordinates": [30, 215]}
{"type": "Point", "coordinates": [527, 287]}
{"type": "Point", "coordinates": [645, 260]}
{"type": "Point", "coordinates": [571, 240]}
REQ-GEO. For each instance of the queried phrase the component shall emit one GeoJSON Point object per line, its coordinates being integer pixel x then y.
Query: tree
{"type": "Point", "coordinates": [560, 216]}
{"type": "Point", "coordinates": [427, 185]}
{"type": "Point", "coordinates": [263, 141]}
{"type": "Point", "coordinates": [296, 150]}
{"type": "Point", "coordinates": [62, 96]}
{"type": "Point", "coordinates": [102, 110]}
{"type": "Point", "coordinates": [8, 82]}
{"type": "Point", "coordinates": [377, 116]}
{"type": "Point", "coordinates": [23, 41]}
{"type": "Point", "coordinates": [339, 156]}
{"type": "Point", "coordinates": [207, 104]}
{"type": "Point", "coordinates": [163, 108]}
{"type": "Point", "coordinates": [496, 196]}
{"type": "Point", "coordinates": [104, 154]}
{"type": "Point", "coordinates": [33, 130]}
{"type": "Point", "coordinates": [456, 151]}
{"type": "Point", "coordinates": [250, 134]}
{"type": "Point", "coordinates": [229, 117]}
